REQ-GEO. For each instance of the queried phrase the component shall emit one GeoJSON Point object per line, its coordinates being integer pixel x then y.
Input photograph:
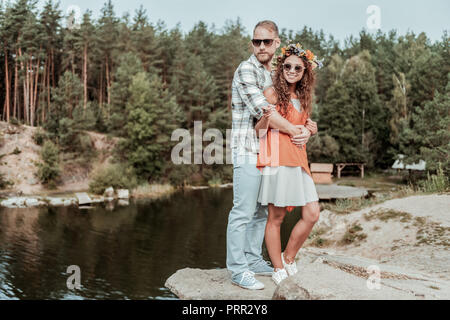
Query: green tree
{"type": "Point", "coordinates": [323, 148]}
{"type": "Point", "coordinates": [352, 114]}
{"type": "Point", "coordinates": [425, 77]}
{"type": "Point", "coordinates": [129, 66]}
{"type": "Point", "coordinates": [429, 137]}
{"type": "Point", "coordinates": [107, 45]}
{"type": "Point", "coordinates": [50, 20]}
{"type": "Point", "coordinates": [152, 116]}
{"type": "Point", "coordinates": [231, 47]}
{"type": "Point", "coordinates": [398, 112]}
{"type": "Point", "coordinates": [337, 120]}
{"type": "Point", "coordinates": [144, 42]}
{"type": "Point", "coordinates": [86, 49]}
{"type": "Point", "coordinates": [170, 42]}
{"type": "Point", "coordinates": [48, 170]}
{"type": "Point", "coordinates": [66, 98]}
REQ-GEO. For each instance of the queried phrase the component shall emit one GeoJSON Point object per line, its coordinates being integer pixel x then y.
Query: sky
{"type": "Point", "coordinates": [341, 18]}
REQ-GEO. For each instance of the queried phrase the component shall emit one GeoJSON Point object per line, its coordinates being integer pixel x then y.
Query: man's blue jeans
{"type": "Point", "coordinates": [247, 219]}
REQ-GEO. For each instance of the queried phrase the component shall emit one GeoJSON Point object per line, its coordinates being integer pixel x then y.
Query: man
{"type": "Point", "coordinates": [247, 218]}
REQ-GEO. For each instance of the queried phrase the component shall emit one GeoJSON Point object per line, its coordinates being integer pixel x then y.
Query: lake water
{"type": "Point", "coordinates": [123, 252]}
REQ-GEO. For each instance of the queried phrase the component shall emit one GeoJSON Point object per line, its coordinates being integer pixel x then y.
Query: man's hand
{"type": "Point", "coordinates": [268, 110]}
{"type": "Point", "coordinates": [311, 126]}
{"type": "Point", "coordinates": [301, 139]}
{"type": "Point", "coordinates": [262, 125]}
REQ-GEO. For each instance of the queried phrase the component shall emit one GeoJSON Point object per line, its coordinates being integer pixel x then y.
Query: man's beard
{"type": "Point", "coordinates": [264, 59]}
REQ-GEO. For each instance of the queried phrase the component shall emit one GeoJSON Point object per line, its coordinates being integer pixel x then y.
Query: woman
{"type": "Point", "coordinates": [286, 178]}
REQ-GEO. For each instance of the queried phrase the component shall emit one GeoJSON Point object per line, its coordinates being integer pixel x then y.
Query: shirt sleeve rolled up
{"type": "Point", "coordinates": [250, 89]}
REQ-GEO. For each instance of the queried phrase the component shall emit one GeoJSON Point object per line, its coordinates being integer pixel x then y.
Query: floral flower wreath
{"type": "Point", "coordinates": [297, 49]}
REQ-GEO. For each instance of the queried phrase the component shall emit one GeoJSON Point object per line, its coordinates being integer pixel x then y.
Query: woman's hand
{"type": "Point", "coordinates": [311, 126]}
{"type": "Point", "coordinates": [302, 139]}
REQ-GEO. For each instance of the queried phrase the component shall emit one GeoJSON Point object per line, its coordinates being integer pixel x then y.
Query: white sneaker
{"type": "Point", "coordinates": [247, 281]}
{"type": "Point", "coordinates": [279, 276]}
{"type": "Point", "coordinates": [291, 268]}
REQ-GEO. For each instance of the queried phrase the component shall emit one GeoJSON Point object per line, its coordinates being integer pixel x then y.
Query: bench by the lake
{"type": "Point", "coordinates": [340, 166]}
{"type": "Point", "coordinates": [321, 172]}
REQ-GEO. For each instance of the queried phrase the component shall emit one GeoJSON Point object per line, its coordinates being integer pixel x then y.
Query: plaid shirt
{"type": "Point", "coordinates": [250, 80]}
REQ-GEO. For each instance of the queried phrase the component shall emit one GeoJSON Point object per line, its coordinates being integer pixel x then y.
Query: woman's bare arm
{"type": "Point", "coordinates": [273, 119]}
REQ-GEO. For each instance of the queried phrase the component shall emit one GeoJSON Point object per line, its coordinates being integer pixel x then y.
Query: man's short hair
{"type": "Point", "coordinates": [267, 24]}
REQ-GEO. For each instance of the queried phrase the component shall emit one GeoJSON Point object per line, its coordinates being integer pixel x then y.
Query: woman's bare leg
{"type": "Point", "coordinates": [301, 231]}
{"type": "Point", "coordinates": [272, 234]}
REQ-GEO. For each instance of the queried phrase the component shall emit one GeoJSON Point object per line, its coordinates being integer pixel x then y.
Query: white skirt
{"type": "Point", "coordinates": [286, 186]}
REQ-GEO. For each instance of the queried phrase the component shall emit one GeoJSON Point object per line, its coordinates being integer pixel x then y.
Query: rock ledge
{"type": "Point", "coordinates": [321, 276]}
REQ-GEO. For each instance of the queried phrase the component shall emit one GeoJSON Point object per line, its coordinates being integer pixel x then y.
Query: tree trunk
{"type": "Point", "coordinates": [101, 88]}
{"type": "Point", "coordinates": [362, 133]}
{"type": "Point", "coordinates": [73, 63]}
{"type": "Point", "coordinates": [48, 81]}
{"type": "Point", "coordinates": [30, 90]}
{"type": "Point", "coordinates": [44, 78]}
{"type": "Point", "coordinates": [108, 85]}
{"type": "Point", "coordinates": [31, 93]}
{"type": "Point", "coordinates": [16, 86]}
{"type": "Point", "coordinates": [7, 103]}
{"type": "Point", "coordinates": [36, 81]}
{"type": "Point", "coordinates": [25, 93]}
{"type": "Point", "coordinates": [85, 76]}
{"type": "Point", "coordinates": [53, 67]}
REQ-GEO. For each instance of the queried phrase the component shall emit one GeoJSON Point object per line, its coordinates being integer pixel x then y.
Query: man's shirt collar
{"type": "Point", "coordinates": [256, 61]}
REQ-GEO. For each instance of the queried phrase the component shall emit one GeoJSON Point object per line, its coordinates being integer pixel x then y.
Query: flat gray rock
{"type": "Point", "coordinates": [350, 278]}
{"type": "Point", "coordinates": [83, 198]}
{"type": "Point", "coordinates": [123, 194]}
{"type": "Point", "coordinates": [320, 277]}
{"type": "Point", "coordinates": [109, 192]}
{"type": "Point", "coordinates": [214, 284]}
{"type": "Point", "coordinates": [14, 202]}
{"type": "Point", "coordinates": [58, 202]}
{"type": "Point", "coordinates": [334, 191]}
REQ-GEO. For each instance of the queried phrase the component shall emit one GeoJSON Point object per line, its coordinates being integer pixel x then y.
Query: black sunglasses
{"type": "Point", "coordinates": [257, 42]}
{"type": "Point", "coordinates": [297, 68]}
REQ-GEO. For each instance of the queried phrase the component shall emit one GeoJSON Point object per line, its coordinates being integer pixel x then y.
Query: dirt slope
{"type": "Point", "coordinates": [20, 168]}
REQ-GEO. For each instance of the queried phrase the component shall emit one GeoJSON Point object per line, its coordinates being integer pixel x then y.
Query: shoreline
{"type": "Point", "coordinates": [57, 198]}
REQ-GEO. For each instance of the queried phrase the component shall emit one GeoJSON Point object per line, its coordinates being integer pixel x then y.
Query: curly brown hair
{"type": "Point", "coordinates": [304, 88]}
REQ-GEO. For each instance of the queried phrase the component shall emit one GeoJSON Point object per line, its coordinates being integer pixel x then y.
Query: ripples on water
{"type": "Point", "coordinates": [127, 252]}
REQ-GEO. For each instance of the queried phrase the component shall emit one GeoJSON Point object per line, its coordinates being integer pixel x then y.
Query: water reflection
{"type": "Point", "coordinates": [125, 252]}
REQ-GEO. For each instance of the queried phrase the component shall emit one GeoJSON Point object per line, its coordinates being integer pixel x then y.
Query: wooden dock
{"type": "Point", "coordinates": [333, 191]}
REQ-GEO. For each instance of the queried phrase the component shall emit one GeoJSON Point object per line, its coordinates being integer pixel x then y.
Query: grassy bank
{"type": "Point", "coordinates": [386, 187]}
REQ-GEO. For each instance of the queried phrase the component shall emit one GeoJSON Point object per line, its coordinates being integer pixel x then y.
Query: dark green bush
{"type": "Point", "coordinates": [118, 176]}
{"type": "Point", "coordinates": [3, 182]}
{"type": "Point", "coordinates": [48, 170]}
{"type": "Point", "coordinates": [40, 136]}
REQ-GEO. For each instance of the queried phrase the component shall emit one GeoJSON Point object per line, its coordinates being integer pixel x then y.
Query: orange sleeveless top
{"type": "Point", "coordinates": [276, 148]}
